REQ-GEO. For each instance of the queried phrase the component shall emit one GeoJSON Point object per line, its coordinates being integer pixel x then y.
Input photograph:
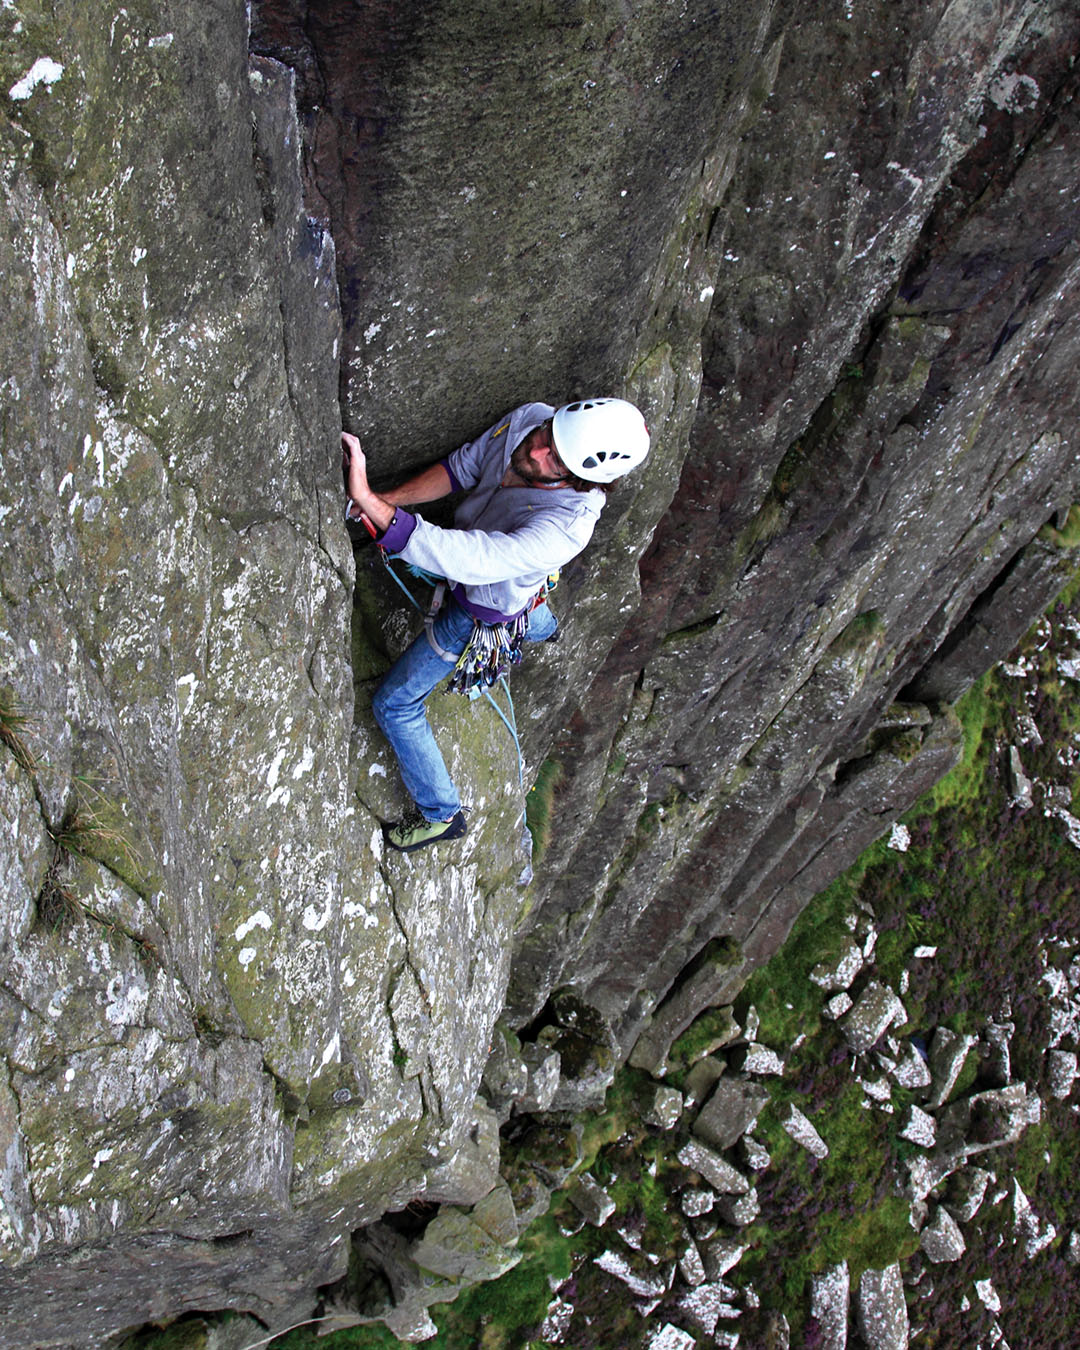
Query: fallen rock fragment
{"type": "Point", "coordinates": [876, 1009]}
{"type": "Point", "coordinates": [665, 1108]}
{"type": "Point", "coordinates": [1035, 1236]}
{"type": "Point", "coordinates": [967, 1190]}
{"type": "Point", "coordinates": [556, 1321]}
{"type": "Point", "coordinates": [941, 1239]}
{"type": "Point", "coordinates": [642, 1278]}
{"type": "Point", "coordinates": [911, 1070]}
{"type": "Point", "coordinates": [731, 1110]}
{"type": "Point", "coordinates": [948, 1051]}
{"type": "Point", "coordinates": [695, 1201]}
{"type": "Point", "coordinates": [699, 1081]}
{"type": "Point", "coordinates": [591, 1201]}
{"type": "Point", "coordinates": [829, 1299]}
{"type": "Point", "coordinates": [882, 1309]}
{"type": "Point", "coordinates": [754, 1153]}
{"type": "Point", "coordinates": [717, 1171]}
{"type": "Point", "coordinates": [761, 1060]}
{"type": "Point", "coordinates": [1020, 786]}
{"type": "Point", "coordinates": [691, 1267]}
{"type": "Point", "coordinates": [837, 1006]}
{"type": "Point", "coordinates": [721, 1255]}
{"type": "Point", "coordinates": [841, 971]}
{"type": "Point", "coordinates": [795, 1124]}
{"type": "Point", "coordinates": [918, 1127]}
{"type": "Point", "coordinates": [707, 1304]}
{"type": "Point", "coordinates": [738, 1210]}
{"type": "Point", "coordinates": [669, 1337]}
{"type": "Point", "coordinates": [1061, 1072]}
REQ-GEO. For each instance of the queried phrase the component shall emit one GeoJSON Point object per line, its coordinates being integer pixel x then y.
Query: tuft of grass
{"type": "Point", "coordinates": [84, 834]}
{"type": "Point", "coordinates": [14, 725]}
{"type": "Point", "coordinates": [540, 806]}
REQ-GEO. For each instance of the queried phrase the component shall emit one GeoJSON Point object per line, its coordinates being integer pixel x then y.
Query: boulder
{"type": "Point", "coordinates": [474, 1169]}
{"type": "Point", "coordinates": [474, 1245]}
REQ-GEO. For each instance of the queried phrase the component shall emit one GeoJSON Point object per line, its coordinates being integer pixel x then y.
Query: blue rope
{"type": "Point", "coordinates": [411, 598]}
{"type": "Point", "coordinates": [511, 726]}
{"type": "Point", "coordinates": [509, 723]}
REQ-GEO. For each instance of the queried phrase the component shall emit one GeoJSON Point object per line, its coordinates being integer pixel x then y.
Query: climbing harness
{"type": "Point", "coordinates": [489, 653]}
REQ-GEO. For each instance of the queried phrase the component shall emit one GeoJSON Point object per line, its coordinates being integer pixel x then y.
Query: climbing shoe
{"type": "Point", "coordinates": [415, 831]}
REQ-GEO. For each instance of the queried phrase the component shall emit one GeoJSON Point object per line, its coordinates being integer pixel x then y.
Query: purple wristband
{"type": "Point", "coordinates": [397, 533]}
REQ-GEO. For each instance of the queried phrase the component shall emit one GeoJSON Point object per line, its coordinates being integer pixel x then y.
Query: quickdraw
{"type": "Point", "coordinates": [489, 654]}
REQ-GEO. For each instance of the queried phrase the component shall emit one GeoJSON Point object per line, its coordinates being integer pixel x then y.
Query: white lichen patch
{"type": "Point", "coordinates": [44, 71]}
{"type": "Point", "coordinates": [1013, 93]}
{"type": "Point", "coordinates": [260, 919]}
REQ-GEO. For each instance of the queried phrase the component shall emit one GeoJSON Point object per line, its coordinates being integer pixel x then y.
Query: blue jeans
{"type": "Point", "coordinates": [398, 706]}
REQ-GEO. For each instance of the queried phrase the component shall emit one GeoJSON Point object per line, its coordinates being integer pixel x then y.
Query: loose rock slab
{"type": "Point", "coordinates": [829, 1297]}
{"type": "Point", "coordinates": [941, 1239]}
{"type": "Point", "coordinates": [876, 1009]}
{"type": "Point", "coordinates": [731, 1110]}
{"type": "Point", "coordinates": [882, 1309]}
{"type": "Point", "coordinates": [794, 1123]}
{"type": "Point", "coordinates": [717, 1171]}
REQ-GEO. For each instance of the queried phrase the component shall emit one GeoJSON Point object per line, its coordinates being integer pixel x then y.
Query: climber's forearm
{"type": "Point", "coordinates": [426, 486]}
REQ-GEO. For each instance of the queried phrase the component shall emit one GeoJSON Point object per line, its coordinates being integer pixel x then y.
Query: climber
{"type": "Point", "coordinates": [535, 484]}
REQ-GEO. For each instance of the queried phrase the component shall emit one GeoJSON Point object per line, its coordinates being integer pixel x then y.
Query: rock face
{"type": "Point", "coordinates": [851, 318]}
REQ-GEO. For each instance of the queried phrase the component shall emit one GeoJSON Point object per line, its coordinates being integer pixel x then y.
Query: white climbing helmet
{"type": "Point", "coordinates": [600, 439]}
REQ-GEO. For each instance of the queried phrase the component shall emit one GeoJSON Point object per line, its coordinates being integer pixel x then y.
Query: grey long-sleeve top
{"type": "Point", "coordinates": [505, 541]}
